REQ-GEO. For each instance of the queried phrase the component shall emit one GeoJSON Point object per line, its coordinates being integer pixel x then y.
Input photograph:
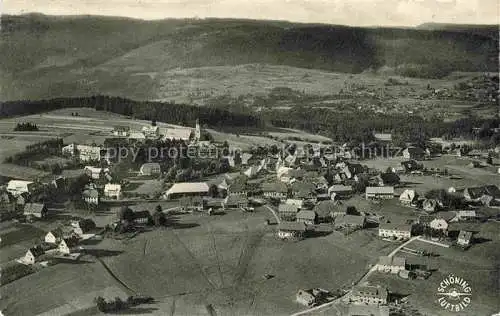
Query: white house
{"type": "Point", "coordinates": [113, 191]}
{"type": "Point", "coordinates": [397, 231]}
{"type": "Point", "coordinates": [151, 131]}
{"type": "Point", "coordinates": [32, 255]}
{"type": "Point", "coordinates": [391, 264]}
{"type": "Point", "coordinates": [439, 224]}
{"type": "Point", "coordinates": [407, 197]}
{"type": "Point", "coordinates": [295, 202]}
{"type": "Point", "coordinates": [187, 189]}
{"type": "Point", "coordinates": [291, 230]}
{"type": "Point", "coordinates": [150, 169]}
{"type": "Point", "coordinates": [379, 192]}
{"type": "Point", "coordinates": [91, 196]}
{"type": "Point", "coordinates": [88, 152]}
{"type": "Point", "coordinates": [95, 172]}
{"type": "Point", "coordinates": [178, 134]}
{"type": "Point", "coordinates": [135, 135]}
{"type": "Point", "coordinates": [67, 244]}
{"type": "Point", "coordinates": [121, 131]}
{"type": "Point", "coordinates": [464, 238]}
{"type": "Point", "coordinates": [17, 187]}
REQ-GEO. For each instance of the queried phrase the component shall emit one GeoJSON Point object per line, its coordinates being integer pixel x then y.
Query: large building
{"type": "Point", "coordinates": [187, 189]}
{"type": "Point", "coordinates": [369, 295]}
{"type": "Point", "coordinates": [379, 193]}
{"type": "Point", "coordinates": [17, 187]}
{"type": "Point", "coordinates": [397, 231]}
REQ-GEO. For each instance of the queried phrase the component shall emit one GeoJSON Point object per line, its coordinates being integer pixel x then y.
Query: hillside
{"type": "Point", "coordinates": [46, 56]}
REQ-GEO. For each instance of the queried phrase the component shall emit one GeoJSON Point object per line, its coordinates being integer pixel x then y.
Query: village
{"type": "Point", "coordinates": [419, 204]}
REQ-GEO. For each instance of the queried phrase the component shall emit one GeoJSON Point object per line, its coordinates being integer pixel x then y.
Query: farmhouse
{"type": "Point", "coordinates": [37, 210]}
{"type": "Point", "coordinates": [187, 189]}
{"type": "Point", "coordinates": [121, 131]}
{"type": "Point", "coordinates": [276, 190]}
{"type": "Point", "coordinates": [16, 187]}
{"type": "Point", "coordinates": [288, 212]}
{"type": "Point", "coordinates": [183, 134]}
{"type": "Point", "coordinates": [415, 153]}
{"type": "Point", "coordinates": [291, 230]}
{"type": "Point", "coordinates": [151, 131]}
{"type": "Point", "coordinates": [464, 238]}
{"type": "Point", "coordinates": [32, 255]}
{"type": "Point", "coordinates": [88, 152]}
{"type": "Point", "coordinates": [190, 203]}
{"type": "Point", "coordinates": [398, 231]}
{"type": "Point", "coordinates": [464, 216]}
{"type": "Point", "coordinates": [379, 192]}
{"type": "Point", "coordinates": [113, 191]}
{"type": "Point", "coordinates": [67, 244]}
{"type": "Point", "coordinates": [56, 235]}
{"type": "Point", "coordinates": [369, 295]}
{"type": "Point", "coordinates": [340, 191]}
{"type": "Point", "coordinates": [306, 217]}
{"type": "Point", "coordinates": [95, 172]}
{"type": "Point", "coordinates": [474, 194]}
{"type": "Point", "coordinates": [430, 205]}
{"type": "Point", "coordinates": [91, 196]}
{"type": "Point", "coordinates": [235, 201]}
{"type": "Point", "coordinates": [351, 222]}
{"type": "Point", "coordinates": [391, 264]}
{"type": "Point", "coordinates": [237, 188]}
{"type": "Point", "coordinates": [299, 203]}
{"type": "Point", "coordinates": [142, 217]}
{"type": "Point", "coordinates": [150, 169]}
{"type": "Point", "coordinates": [408, 197]}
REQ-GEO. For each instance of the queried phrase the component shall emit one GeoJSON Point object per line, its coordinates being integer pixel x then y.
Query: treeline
{"type": "Point", "coordinates": [25, 127]}
{"type": "Point", "coordinates": [51, 147]}
{"type": "Point", "coordinates": [359, 126]}
{"type": "Point", "coordinates": [167, 112]}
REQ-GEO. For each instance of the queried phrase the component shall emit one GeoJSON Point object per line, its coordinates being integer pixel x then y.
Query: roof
{"type": "Point", "coordinates": [492, 190]}
{"type": "Point", "coordinates": [395, 226]}
{"type": "Point", "coordinates": [33, 208]}
{"type": "Point", "coordinates": [292, 226]}
{"type": "Point", "coordinates": [465, 235]}
{"type": "Point", "coordinates": [476, 192]}
{"type": "Point", "coordinates": [426, 219]}
{"type": "Point", "coordinates": [466, 213]}
{"type": "Point", "coordinates": [408, 195]}
{"type": "Point", "coordinates": [36, 251]}
{"type": "Point", "coordinates": [340, 188]}
{"type": "Point", "coordinates": [178, 133]}
{"type": "Point", "coordinates": [235, 199]}
{"type": "Point", "coordinates": [237, 187]}
{"type": "Point", "coordinates": [324, 208]}
{"type": "Point", "coordinates": [150, 166]}
{"type": "Point", "coordinates": [383, 137]}
{"type": "Point", "coordinates": [350, 220]}
{"type": "Point", "coordinates": [380, 190]}
{"type": "Point", "coordinates": [372, 291]}
{"type": "Point", "coordinates": [13, 184]}
{"type": "Point", "coordinates": [188, 187]}
{"type": "Point", "coordinates": [287, 208]}
{"type": "Point", "coordinates": [306, 214]}
{"type": "Point", "coordinates": [279, 187]}
{"type": "Point", "coordinates": [301, 186]}
{"type": "Point", "coordinates": [112, 187]}
{"type": "Point", "coordinates": [92, 193]}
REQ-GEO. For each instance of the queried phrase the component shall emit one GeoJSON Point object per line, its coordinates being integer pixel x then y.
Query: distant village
{"type": "Point", "coordinates": [308, 191]}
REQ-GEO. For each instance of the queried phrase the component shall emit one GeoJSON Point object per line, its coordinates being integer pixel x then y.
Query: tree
{"type": "Point", "coordinates": [351, 210]}
{"type": "Point", "coordinates": [101, 303]}
{"type": "Point", "coordinates": [153, 122]}
{"type": "Point", "coordinates": [213, 191]}
{"type": "Point", "coordinates": [489, 160]}
{"type": "Point", "coordinates": [158, 208]}
{"type": "Point", "coordinates": [126, 214]}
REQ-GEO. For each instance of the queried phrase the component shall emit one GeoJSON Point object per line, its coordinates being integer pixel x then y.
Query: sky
{"type": "Point", "coordinates": [347, 12]}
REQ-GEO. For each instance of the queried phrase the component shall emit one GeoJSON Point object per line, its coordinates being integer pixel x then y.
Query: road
{"type": "Point", "coordinates": [361, 281]}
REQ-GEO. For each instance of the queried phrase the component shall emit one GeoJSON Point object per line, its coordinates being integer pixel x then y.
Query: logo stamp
{"type": "Point", "coordinates": [454, 293]}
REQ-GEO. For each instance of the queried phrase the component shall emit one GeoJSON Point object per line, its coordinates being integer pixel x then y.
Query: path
{"type": "Point", "coordinates": [362, 280]}
{"type": "Point", "coordinates": [274, 213]}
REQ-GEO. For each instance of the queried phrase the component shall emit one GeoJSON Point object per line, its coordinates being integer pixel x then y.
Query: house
{"type": "Point", "coordinates": [288, 212]}
{"type": "Point", "coordinates": [397, 231]}
{"type": "Point", "coordinates": [350, 222]}
{"type": "Point", "coordinates": [23, 198]}
{"type": "Point", "coordinates": [275, 190]}
{"type": "Point", "coordinates": [113, 191]}
{"type": "Point", "coordinates": [464, 216]}
{"type": "Point", "coordinates": [408, 197]}
{"type": "Point", "coordinates": [32, 255]}
{"type": "Point", "coordinates": [237, 188]}
{"type": "Point", "coordinates": [306, 217]}
{"type": "Point", "coordinates": [299, 203]}
{"type": "Point", "coordinates": [474, 194]}
{"type": "Point", "coordinates": [236, 201]}
{"type": "Point", "coordinates": [138, 136]}
{"type": "Point", "coordinates": [16, 187]}
{"type": "Point", "coordinates": [415, 153]}
{"type": "Point", "coordinates": [493, 191]}
{"type": "Point", "coordinates": [252, 171]}
{"type": "Point", "coordinates": [95, 172]}
{"type": "Point", "coordinates": [464, 238]}
{"type": "Point", "coordinates": [291, 230]}
{"type": "Point", "coordinates": [91, 196]}
{"type": "Point", "coordinates": [37, 210]}
{"type": "Point", "coordinates": [83, 226]}
{"type": "Point", "coordinates": [391, 264]}
{"type": "Point", "coordinates": [425, 220]}
{"type": "Point", "coordinates": [379, 192]}
{"type": "Point", "coordinates": [369, 295]}
{"type": "Point", "coordinates": [67, 244]}
{"type": "Point", "coordinates": [184, 134]}
{"type": "Point", "coordinates": [151, 131]}
{"type": "Point", "coordinates": [305, 297]}
{"type": "Point", "coordinates": [142, 217]}
{"type": "Point", "coordinates": [383, 137]}
{"type": "Point", "coordinates": [69, 150]}
{"type": "Point", "coordinates": [187, 189]}
{"type": "Point", "coordinates": [430, 205]}
{"type": "Point", "coordinates": [196, 203]}
{"type": "Point", "coordinates": [150, 169]}
{"type": "Point", "coordinates": [304, 189]}
{"type": "Point", "coordinates": [340, 191]}
{"type": "Point", "coordinates": [56, 235]}
{"type": "Point", "coordinates": [88, 152]}
{"type": "Point", "coordinates": [121, 131]}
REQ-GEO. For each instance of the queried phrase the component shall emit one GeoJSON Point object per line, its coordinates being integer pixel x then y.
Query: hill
{"type": "Point", "coordinates": [46, 56]}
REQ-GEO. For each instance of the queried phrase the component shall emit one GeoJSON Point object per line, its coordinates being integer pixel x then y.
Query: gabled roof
{"type": "Point", "coordinates": [292, 226]}
{"type": "Point", "coordinates": [492, 190]}
{"type": "Point", "coordinates": [235, 199]}
{"type": "Point", "coordinates": [287, 208]}
{"type": "Point", "coordinates": [279, 187]}
{"type": "Point", "coordinates": [237, 187]}
{"type": "Point", "coordinates": [36, 251]}
{"type": "Point", "coordinates": [91, 193]}
{"type": "Point", "coordinates": [371, 291]}
{"type": "Point", "coordinates": [306, 214]}
{"type": "Point", "coordinates": [395, 226]}
{"type": "Point", "coordinates": [380, 190]}
{"type": "Point", "coordinates": [324, 208]}
{"type": "Point", "coordinates": [465, 235]}
{"type": "Point", "coordinates": [33, 208]}
{"type": "Point", "coordinates": [150, 166]}
{"type": "Point", "coordinates": [350, 220]}
{"type": "Point", "coordinates": [178, 133]}
{"type": "Point", "coordinates": [301, 186]}
{"type": "Point", "coordinates": [340, 188]}
{"type": "Point", "coordinates": [476, 192]}
{"type": "Point", "coordinates": [188, 187]}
